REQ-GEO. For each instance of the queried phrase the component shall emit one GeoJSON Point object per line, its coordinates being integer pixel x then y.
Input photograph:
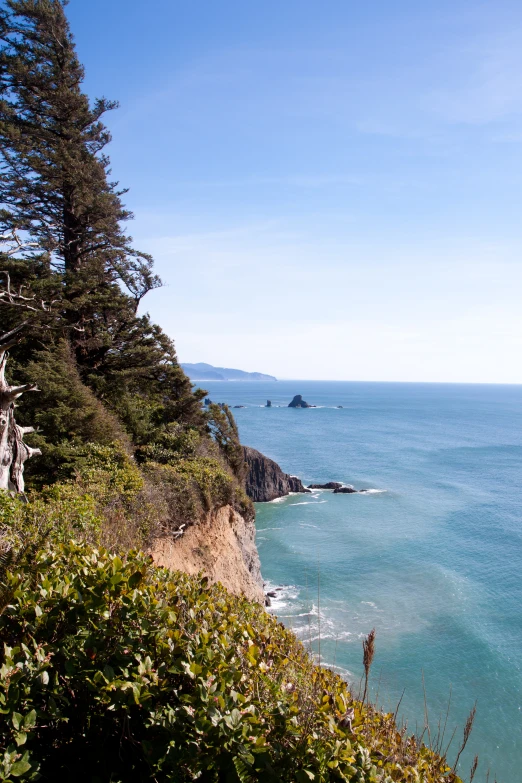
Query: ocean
{"type": "Point", "coordinates": [431, 558]}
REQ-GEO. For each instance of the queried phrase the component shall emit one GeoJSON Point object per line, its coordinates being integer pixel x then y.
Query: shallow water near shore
{"type": "Point", "coordinates": [432, 559]}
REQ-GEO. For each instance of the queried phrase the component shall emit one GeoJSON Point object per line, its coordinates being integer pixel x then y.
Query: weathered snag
{"type": "Point", "coordinates": [13, 451]}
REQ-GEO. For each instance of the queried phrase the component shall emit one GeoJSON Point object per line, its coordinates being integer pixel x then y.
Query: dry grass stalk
{"type": "Point", "coordinates": [368, 656]}
{"type": "Point", "coordinates": [473, 769]}
{"type": "Point", "coordinates": [440, 739]}
{"type": "Point", "coordinates": [467, 731]}
{"type": "Point", "coordinates": [426, 716]}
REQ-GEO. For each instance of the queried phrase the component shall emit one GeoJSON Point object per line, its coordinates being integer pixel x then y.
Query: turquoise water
{"type": "Point", "coordinates": [432, 559]}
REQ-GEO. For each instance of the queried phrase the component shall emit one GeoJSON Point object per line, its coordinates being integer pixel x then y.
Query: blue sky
{"type": "Point", "coordinates": [330, 190]}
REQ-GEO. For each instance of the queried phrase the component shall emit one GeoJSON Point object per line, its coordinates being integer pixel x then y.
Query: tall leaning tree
{"type": "Point", "coordinates": [56, 190]}
{"type": "Point", "coordinates": [54, 181]}
{"type": "Point", "coordinates": [55, 186]}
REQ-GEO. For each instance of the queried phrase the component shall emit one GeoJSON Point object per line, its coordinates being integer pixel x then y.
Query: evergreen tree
{"type": "Point", "coordinates": [55, 192]}
{"type": "Point", "coordinates": [53, 183]}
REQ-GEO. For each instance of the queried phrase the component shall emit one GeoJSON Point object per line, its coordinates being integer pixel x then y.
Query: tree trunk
{"type": "Point", "coordinates": [13, 451]}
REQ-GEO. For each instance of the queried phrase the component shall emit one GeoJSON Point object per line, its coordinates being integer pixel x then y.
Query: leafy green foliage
{"type": "Point", "coordinates": [65, 412]}
{"type": "Point", "coordinates": [115, 670]}
{"type": "Point", "coordinates": [200, 485]}
{"type": "Point", "coordinates": [107, 501]}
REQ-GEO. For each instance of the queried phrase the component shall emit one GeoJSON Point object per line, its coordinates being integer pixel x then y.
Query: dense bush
{"type": "Point", "coordinates": [115, 670]}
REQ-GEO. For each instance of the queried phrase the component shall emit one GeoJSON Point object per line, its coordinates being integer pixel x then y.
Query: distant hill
{"type": "Point", "coordinates": [206, 372]}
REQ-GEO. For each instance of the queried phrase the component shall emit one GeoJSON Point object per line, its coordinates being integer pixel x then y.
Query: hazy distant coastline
{"type": "Point", "coordinates": [207, 372]}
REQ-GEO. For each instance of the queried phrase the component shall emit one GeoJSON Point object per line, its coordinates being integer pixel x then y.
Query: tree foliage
{"type": "Point", "coordinates": [54, 183]}
{"type": "Point", "coordinates": [66, 220]}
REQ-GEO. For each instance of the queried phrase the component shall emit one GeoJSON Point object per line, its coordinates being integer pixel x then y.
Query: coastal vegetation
{"type": "Point", "coordinates": [110, 667]}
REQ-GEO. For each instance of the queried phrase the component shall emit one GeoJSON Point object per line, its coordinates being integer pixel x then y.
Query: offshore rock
{"type": "Point", "coordinates": [298, 402]}
{"type": "Point", "coordinates": [265, 480]}
{"type": "Point", "coordinates": [345, 490]}
{"type": "Point", "coordinates": [268, 404]}
{"type": "Point", "coordinates": [328, 485]}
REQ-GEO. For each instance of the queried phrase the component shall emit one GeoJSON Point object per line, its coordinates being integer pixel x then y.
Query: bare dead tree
{"type": "Point", "coordinates": [13, 451]}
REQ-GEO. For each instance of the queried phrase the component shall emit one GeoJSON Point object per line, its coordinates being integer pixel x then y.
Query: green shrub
{"type": "Point", "coordinates": [108, 470]}
{"type": "Point", "coordinates": [65, 512]}
{"type": "Point", "coordinates": [66, 413]}
{"type": "Point", "coordinates": [117, 671]}
{"type": "Point", "coordinates": [194, 486]}
{"type": "Point", "coordinates": [214, 483]}
{"type": "Point", "coordinates": [108, 502]}
{"type": "Point", "coordinates": [176, 442]}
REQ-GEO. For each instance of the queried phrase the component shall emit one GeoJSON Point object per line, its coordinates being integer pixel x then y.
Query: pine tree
{"type": "Point", "coordinates": [55, 192]}
{"type": "Point", "coordinates": [54, 180]}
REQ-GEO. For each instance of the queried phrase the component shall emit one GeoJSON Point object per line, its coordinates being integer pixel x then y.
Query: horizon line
{"type": "Point", "coordinates": [339, 380]}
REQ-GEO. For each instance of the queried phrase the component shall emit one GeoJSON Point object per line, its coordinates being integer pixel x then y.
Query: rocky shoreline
{"type": "Point", "coordinates": [266, 481]}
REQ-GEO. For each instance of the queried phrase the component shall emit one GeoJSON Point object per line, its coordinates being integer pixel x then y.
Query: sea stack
{"type": "Point", "coordinates": [265, 480]}
{"type": "Point", "coordinates": [268, 404]}
{"type": "Point", "coordinates": [298, 402]}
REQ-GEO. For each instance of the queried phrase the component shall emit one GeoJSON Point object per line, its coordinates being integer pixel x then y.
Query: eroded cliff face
{"type": "Point", "coordinates": [222, 546]}
{"type": "Point", "coordinates": [265, 480]}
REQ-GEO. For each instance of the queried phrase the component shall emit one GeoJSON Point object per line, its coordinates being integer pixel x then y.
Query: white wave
{"type": "Point", "coordinates": [263, 529]}
{"type": "Point", "coordinates": [373, 491]}
{"type": "Point", "coordinates": [284, 597]}
{"type": "Point", "coordinates": [303, 524]}
{"type": "Point", "coordinates": [370, 603]}
{"type": "Point", "coordinates": [309, 503]}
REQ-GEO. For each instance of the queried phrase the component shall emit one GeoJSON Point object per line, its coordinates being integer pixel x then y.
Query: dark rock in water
{"type": "Point", "coordinates": [268, 602]}
{"type": "Point", "coordinates": [268, 403]}
{"type": "Point", "coordinates": [265, 480]}
{"type": "Point", "coordinates": [345, 490]}
{"type": "Point", "coordinates": [208, 401]}
{"type": "Point", "coordinates": [239, 406]}
{"type": "Point", "coordinates": [272, 594]}
{"type": "Point", "coordinates": [339, 406]}
{"type": "Point", "coordinates": [328, 485]}
{"type": "Point", "coordinates": [298, 402]}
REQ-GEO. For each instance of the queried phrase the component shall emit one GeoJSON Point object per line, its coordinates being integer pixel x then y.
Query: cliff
{"type": "Point", "coordinates": [265, 480]}
{"type": "Point", "coordinates": [222, 547]}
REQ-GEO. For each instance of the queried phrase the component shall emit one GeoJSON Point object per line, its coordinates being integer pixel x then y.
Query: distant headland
{"type": "Point", "coordinates": [207, 372]}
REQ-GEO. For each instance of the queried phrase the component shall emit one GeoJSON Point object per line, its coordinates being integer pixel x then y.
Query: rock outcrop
{"type": "Point", "coordinates": [223, 547]}
{"type": "Point", "coordinates": [298, 402]}
{"type": "Point", "coordinates": [346, 490]}
{"type": "Point", "coordinates": [328, 485]}
{"type": "Point", "coordinates": [265, 480]}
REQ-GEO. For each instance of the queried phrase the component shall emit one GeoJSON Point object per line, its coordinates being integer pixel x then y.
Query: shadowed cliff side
{"type": "Point", "coordinates": [265, 480]}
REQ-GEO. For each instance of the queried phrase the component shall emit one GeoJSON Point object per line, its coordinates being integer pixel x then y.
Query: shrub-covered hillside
{"type": "Point", "coordinates": [114, 670]}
